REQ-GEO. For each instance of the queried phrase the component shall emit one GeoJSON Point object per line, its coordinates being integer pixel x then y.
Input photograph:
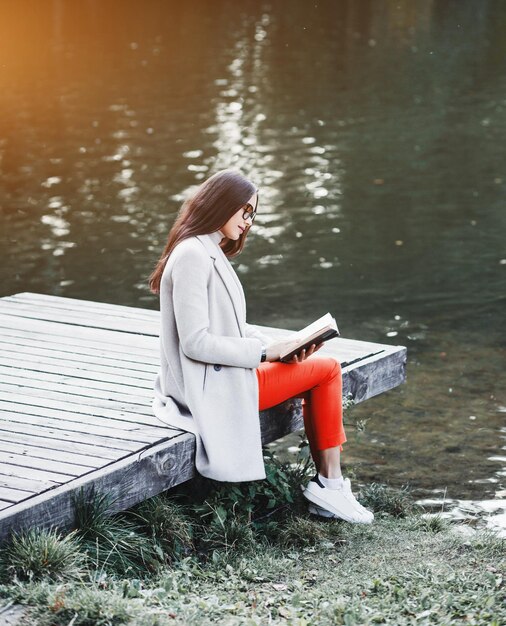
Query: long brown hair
{"type": "Point", "coordinates": [210, 208]}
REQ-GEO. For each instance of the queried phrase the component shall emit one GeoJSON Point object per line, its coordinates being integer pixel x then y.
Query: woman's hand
{"type": "Point", "coordinates": [275, 349]}
{"type": "Point", "coordinates": [304, 354]}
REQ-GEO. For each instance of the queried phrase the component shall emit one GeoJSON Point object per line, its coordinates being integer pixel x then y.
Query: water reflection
{"type": "Point", "coordinates": [374, 132]}
{"type": "Point", "coordinates": [239, 130]}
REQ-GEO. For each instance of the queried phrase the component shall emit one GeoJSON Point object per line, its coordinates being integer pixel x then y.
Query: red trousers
{"type": "Point", "coordinates": [318, 382]}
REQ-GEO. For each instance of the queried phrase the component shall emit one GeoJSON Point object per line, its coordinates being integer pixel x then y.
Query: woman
{"type": "Point", "coordinates": [217, 371]}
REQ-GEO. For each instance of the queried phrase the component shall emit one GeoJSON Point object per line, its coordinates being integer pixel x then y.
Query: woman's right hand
{"type": "Point", "coordinates": [274, 350]}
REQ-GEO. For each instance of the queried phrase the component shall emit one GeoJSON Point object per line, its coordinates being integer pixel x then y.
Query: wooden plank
{"type": "Point", "coordinates": [4, 504]}
{"type": "Point", "coordinates": [14, 495]}
{"type": "Point", "coordinates": [74, 403]}
{"type": "Point", "coordinates": [55, 443]}
{"type": "Point", "coordinates": [19, 471]}
{"type": "Point", "coordinates": [34, 453]}
{"type": "Point", "coordinates": [39, 299]}
{"type": "Point", "coordinates": [28, 461]}
{"type": "Point", "coordinates": [56, 366]}
{"type": "Point", "coordinates": [130, 480]}
{"type": "Point", "coordinates": [136, 434]}
{"type": "Point", "coordinates": [78, 385]}
{"type": "Point", "coordinates": [106, 422]}
{"type": "Point", "coordinates": [99, 321]}
{"type": "Point", "coordinates": [97, 361]}
{"type": "Point", "coordinates": [67, 310]}
{"type": "Point", "coordinates": [375, 374]}
{"type": "Point", "coordinates": [26, 484]}
{"type": "Point", "coordinates": [133, 435]}
{"type": "Point", "coordinates": [148, 355]}
{"type": "Point", "coordinates": [22, 357]}
{"type": "Point", "coordinates": [142, 388]}
{"type": "Point", "coordinates": [280, 420]}
{"type": "Point", "coordinates": [53, 432]}
{"type": "Point", "coordinates": [96, 336]}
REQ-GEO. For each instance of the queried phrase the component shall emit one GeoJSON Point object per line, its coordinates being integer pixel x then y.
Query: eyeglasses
{"type": "Point", "coordinates": [250, 212]}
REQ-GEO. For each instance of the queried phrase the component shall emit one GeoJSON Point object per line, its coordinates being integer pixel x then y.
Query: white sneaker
{"type": "Point", "coordinates": [339, 503]}
{"type": "Point", "coordinates": [314, 509]}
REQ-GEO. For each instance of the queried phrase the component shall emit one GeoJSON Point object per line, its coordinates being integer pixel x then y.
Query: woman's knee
{"type": "Point", "coordinates": [331, 368]}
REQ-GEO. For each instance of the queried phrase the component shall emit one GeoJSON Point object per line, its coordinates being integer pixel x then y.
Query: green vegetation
{"type": "Point", "coordinates": [113, 543]}
{"type": "Point", "coordinates": [384, 500]}
{"type": "Point", "coordinates": [249, 553]}
{"type": "Point", "coordinates": [38, 554]}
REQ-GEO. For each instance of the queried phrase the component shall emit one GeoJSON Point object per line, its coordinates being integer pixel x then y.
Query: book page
{"type": "Point", "coordinates": [325, 320]}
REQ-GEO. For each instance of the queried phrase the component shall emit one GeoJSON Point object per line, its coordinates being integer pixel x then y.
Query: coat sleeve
{"type": "Point", "coordinates": [251, 331]}
{"type": "Point", "coordinates": [190, 277]}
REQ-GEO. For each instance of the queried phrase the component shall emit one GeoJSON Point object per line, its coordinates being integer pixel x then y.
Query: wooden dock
{"type": "Point", "coordinates": [76, 380]}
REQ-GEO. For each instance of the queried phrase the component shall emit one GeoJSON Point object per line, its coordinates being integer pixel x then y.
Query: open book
{"type": "Point", "coordinates": [323, 329]}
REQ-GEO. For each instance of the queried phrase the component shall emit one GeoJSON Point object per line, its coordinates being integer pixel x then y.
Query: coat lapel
{"type": "Point", "coordinates": [228, 277]}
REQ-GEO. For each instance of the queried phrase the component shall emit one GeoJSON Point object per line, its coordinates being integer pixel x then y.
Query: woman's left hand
{"type": "Point", "coordinates": [304, 354]}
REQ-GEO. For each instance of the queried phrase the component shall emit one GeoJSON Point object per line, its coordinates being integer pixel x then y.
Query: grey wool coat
{"type": "Point", "coordinates": [207, 383]}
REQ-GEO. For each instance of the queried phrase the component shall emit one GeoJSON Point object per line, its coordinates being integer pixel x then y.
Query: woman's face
{"type": "Point", "coordinates": [236, 225]}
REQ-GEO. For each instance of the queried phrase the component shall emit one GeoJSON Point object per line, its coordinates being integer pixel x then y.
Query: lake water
{"type": "Point", "coordinates": [375, 132]}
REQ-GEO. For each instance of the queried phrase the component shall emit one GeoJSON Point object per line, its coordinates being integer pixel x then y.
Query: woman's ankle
{"type": "Point", "coordinates": [331, 483]}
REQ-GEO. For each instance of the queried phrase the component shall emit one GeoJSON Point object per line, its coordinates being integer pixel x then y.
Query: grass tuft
{"type": "Point", "coordinates": [168, 523]}
{"type": "Point", "coordinates": [41, 553]}
{"type": "Point", "coordinates": [430, 523]}
{"type": "Point", "coordinates": [303, 532]}
{"type": "Point", "coordinates": [114, 543]}
{"type": "Point", "coordinates": [383, 499]}
{"type": "Point", "coordinates": [227, 530]}
{"type": "Point", "coordinates": [489, 545]}
{"type": "Point", "coordinates": [86, 605]}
